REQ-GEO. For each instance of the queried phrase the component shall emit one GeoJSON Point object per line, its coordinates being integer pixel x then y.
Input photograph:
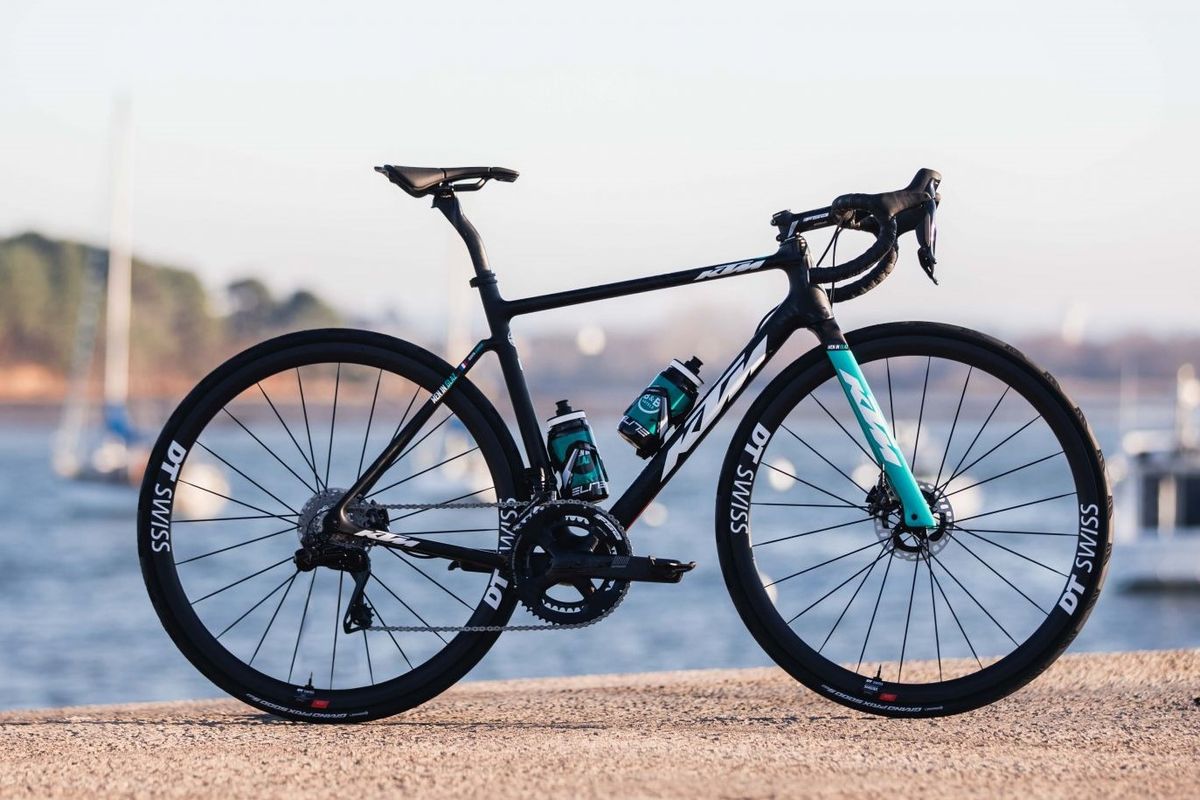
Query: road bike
{"type": "Point", "coordinates": [920, 552]}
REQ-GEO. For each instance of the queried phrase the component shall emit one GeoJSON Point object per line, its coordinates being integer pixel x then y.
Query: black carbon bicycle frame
{"type": "Point", "coordinates": [805, 306]}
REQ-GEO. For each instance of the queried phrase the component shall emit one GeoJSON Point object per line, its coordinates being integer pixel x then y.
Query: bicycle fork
{"type": "Point", "coordinates": [879, 435]}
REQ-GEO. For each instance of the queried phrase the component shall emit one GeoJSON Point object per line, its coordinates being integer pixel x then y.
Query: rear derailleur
{"type": "Point", "coordinates": [322, 545]}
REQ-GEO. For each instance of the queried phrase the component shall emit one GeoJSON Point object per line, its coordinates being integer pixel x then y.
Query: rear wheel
{"type": "Point", "coordinates": [242, 473]}
{"type": "Point", "coordinates": [915, 623]}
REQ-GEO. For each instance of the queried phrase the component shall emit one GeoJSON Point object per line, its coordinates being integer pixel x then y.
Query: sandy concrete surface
{"type": "Point", "coordinates": [1094, 725]}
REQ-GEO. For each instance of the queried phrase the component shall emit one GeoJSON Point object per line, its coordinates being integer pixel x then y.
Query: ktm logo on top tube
{"type": "Point", "coordinates": [729, 269]}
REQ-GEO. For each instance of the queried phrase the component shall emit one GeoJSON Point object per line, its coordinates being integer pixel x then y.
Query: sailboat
{"type": "Point", "coordinates": [115, 455]}
{"type": "Point", "coordinates": [119, 456]}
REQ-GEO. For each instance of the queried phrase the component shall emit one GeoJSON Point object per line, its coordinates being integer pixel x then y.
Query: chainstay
{"type": "Point", "coordinates": [473, 628]}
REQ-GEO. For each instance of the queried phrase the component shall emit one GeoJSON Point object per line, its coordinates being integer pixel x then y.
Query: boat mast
{"type": "Point", "coordinates": [120, 278]}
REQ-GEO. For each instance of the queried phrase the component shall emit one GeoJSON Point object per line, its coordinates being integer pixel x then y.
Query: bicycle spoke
{"type": "Point", "coordinates": [850, 602]}
{"type": "Point", "coordinates": [411, 610]}
{"type": "Point", "coordinates": [274, 455]}
{"type": "Point", "coordinates": [823, 563]}
{"type": "Point", "coordinates": [370, 668]}
{"type": "Point", "coordinates": [337, 384]}
{"type": "Point", "coordinates": [937, 639]}
{"type": "Point", "coordinates": [337, 621]}
{"type": "Point", "coordinates": [837, 422]}
{"type": "Point", "coordinates": [1014, 552]}
{"type": "Point", "coordinates": [871, 624]}
{"type": "Point", "coordinates": [288, 430]}
{"type": "Point", "coordinates": [234, 519]}
{"type": "Point", "coordinates": [813, 486]}
{"type": "Point", "coordinates": [247, 477]}
{"type": "Point", "coordinates": [259, 603]}
{"type": "Point", "coordinates": [308, 428]}
{"type": "Point", "coordinates": [920, 416]}
{"type": "Point", "coordinates": [907, 620]}
{"type": "Point", "coordinates": [958, 522]}
{"type": "Point", "coordinates": [282, 517]}
{"type": "Point", "coordinates": [982, 608]}
{"type": "Point", "coordinates": [417, 444]}
{"type": "Point", "coordinates": [370, 418]}
{"type": "Point", "coordinates": [271, 621]}
{"type": "Point", "coordinates": [391, 636]}
{"type": "Point", "coordinates": [408, 408]}
{"type": "Point", "coordinates": [243, 580]}
{"type": "Point", "coordinates": [1006, 472]}
{"type": "Point", "coordinates": [235, 546]}
{"type": "Point", "coordinates": [431, 579]}
{"type": "Point", "coordinates": [1004, 441]}
{"type": "Point", "coordinates": [953, 426]}
{"type": "Point", "coordinates": [887, 363]}
{"type": "Point", "coordinates": [816, 530]}
{"type": "Point", "coordinates": [300, 630]}
{"type": "Point", "coordinates": [807, 505]}
{"type": "Point", "coordinates": [963, 544]}
{"type": "Point", "coordinates": [422, 472]}
{"type": "Point", "coordinates": [978, 433]}
{"type": "Point", "coordinates": [884, 551]}
{"type": "Point", "coordinates": [823, 458]}
{"type": "Point", "coordinates": [953, 613]}
{"type": "Point", "coordinates": [1026, 533]}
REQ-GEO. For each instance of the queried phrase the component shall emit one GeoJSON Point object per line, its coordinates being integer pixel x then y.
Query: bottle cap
{"type": "Point", "coordinates": [689, 369]}
{"type": "Point", "coordinates": [564, 413]}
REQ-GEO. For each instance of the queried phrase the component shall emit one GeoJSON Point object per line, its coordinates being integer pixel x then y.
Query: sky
{"type": "Point", "coordinates": [649, 137]}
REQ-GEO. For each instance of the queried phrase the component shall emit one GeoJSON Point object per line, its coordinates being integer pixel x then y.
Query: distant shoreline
{"type": "Point", "coordinates": [1103, 725]}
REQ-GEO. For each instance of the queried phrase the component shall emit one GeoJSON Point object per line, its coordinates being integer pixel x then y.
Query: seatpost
{"type": "Point", "coordinates": [446, 201]}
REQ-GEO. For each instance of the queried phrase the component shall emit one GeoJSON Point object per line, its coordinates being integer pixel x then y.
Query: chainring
{"type": "Point", "coordinates": [561, 527]}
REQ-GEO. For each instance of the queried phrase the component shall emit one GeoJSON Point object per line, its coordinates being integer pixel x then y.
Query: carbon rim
{"type": "Point", "coordinates": [279, 431]}
{"type": "Point", "coordinates": [849, 605]}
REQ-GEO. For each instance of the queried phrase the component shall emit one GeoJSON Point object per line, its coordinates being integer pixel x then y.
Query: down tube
{"type": "Point", "coordinates": [875, 427]}
{"type": "Point", "coordinates": [695, 427]}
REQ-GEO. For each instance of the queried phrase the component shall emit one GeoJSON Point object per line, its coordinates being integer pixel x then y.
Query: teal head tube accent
{"type": "Point", "coordinates": [879, 435]}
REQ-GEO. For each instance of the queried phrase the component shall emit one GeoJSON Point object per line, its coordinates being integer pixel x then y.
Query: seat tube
{"type": "Point", "coordinates": [878, 433]}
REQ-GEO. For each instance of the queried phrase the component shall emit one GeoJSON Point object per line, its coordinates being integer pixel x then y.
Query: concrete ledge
{"type": "Point", "coordinates": [1094, 725]}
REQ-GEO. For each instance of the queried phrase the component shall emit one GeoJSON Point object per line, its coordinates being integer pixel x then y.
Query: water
{"type": "Point", "coordinates": [79, 629]}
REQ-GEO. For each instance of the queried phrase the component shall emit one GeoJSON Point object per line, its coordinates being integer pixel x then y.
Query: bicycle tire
{"type": "Point", "coordinates": [398, 365]}
{"type": "Point", "coordinates": [799, 652]}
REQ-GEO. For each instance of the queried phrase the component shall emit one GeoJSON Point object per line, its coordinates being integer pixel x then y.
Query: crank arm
{"type": "Point", "coordinates": [485, 559]}
{"type": "Point", "coordinates": [628, 568]}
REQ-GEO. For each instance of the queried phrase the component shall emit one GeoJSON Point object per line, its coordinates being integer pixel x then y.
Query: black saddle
{"type": "Point", "coordinates": [420, 181]}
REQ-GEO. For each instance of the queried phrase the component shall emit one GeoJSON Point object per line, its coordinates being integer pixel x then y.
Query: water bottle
{"type": "Point", "coordinates": [665, 402]}
{"type": "Point", "coordinates": [574, 456]}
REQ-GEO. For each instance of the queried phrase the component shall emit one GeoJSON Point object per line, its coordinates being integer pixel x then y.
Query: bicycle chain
{"type": "Point", "coordinates": [474, 628]}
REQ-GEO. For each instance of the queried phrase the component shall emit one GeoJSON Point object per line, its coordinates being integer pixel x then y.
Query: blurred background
{"type": "Point", "coordinates": [177, 183]}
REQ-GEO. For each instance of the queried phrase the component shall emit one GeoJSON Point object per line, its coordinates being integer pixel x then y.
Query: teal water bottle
{"type": "Point", "coordinates": [574, 456]}
{"type": "Point", "coordinates": [665, 402]}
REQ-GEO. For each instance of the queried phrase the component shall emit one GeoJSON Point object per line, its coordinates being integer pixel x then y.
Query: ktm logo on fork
{"type": "Point", "coordinates": [870, 412]}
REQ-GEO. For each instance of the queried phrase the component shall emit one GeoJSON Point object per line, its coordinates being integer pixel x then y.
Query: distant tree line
{"type": "Point", "coordinates": [174, 326]}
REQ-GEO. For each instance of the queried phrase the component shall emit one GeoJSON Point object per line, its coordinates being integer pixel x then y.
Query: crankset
{"type": "Point", "coordinates": [572, 563]}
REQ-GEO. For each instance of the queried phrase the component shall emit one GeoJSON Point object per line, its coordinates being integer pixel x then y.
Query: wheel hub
{"type": "Point", "coordinates": [911, 543]}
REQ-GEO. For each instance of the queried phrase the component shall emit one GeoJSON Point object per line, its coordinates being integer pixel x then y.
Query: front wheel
{"type": "Point", "coordinates": [903, 622]}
